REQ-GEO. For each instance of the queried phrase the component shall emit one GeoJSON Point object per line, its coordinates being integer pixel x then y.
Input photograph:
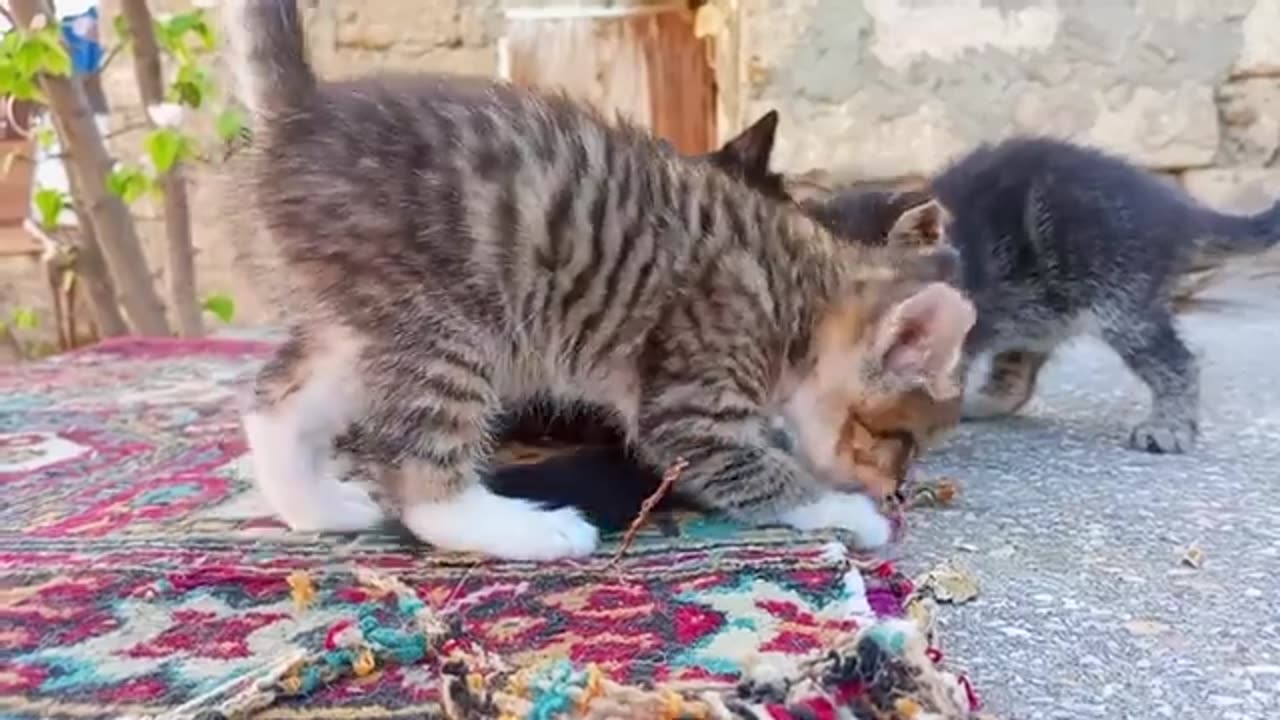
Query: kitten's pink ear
{"type": "Point", "coordinates": [920, 340]}
{"type": "Point", "coordinates": [921, 226]}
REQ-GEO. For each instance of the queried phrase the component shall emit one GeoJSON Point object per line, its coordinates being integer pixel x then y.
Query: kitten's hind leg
{"type": "Point", "coordinates": [1149, 344]}
{"type": "Point", "coordinates": [427, 424]}
{"type": "Point", "coordinates": [303, 397]}
{"type": "Point", "coordinates": [1010, 383]}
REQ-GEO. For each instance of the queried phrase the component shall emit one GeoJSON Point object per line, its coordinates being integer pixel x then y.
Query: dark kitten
{"type": "Point", "coordinates": [1056, 239]}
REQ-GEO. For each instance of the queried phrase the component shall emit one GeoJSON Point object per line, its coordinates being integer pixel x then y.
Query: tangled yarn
{"type": "Point", "coordinates": [887, 671]}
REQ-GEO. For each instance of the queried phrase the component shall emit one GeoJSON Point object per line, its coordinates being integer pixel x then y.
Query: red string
{"type": "Point", "coordinates": [331, 637]}
{"type": "Point", "coordinates": [975, 702]}
{"type": "Point", "coordinates": [822, 709]}
{"type": "Point", "coordinates": [848, 691]}
{"type": "Point", "coordinates": [778, 712]}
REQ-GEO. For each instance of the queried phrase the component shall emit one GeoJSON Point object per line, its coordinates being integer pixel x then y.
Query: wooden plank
{"type": "Point", "coordinates": [16, 241]}
{"type": "Point", "coordinates": [640, 61]}
{"type": "Point", "coordinates": [15, 197]}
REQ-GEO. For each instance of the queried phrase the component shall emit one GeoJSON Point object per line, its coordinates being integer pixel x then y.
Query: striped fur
{"type": "Point", "coordinates": [454, 246]}
{"type": "Point", "coordinates": [881, 435]}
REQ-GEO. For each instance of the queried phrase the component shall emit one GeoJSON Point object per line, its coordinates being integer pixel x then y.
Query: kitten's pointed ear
{"type": "Point", "coordinates": [750, 150]}
{"type": "Point", "coordinates": [923, 225]}
{"type": "Point", "coordinates": [919, 341]}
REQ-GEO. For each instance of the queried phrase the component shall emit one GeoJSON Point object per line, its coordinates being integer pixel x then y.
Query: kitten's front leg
{"type": "Point", "coordinates": [734, 468]}
{"type": "Point", "coordinates": [1010, 383]}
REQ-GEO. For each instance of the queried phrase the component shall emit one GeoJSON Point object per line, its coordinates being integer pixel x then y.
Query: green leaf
{"type": "Point", "coordinates": [180, 24]}
{"type": "Point", "coordinates": [29, 57]}
{"type": "Point", "coordinates": [121, 25]}
{"type": "Point", "coordinates": [46, 137]}
{"type": "Point", "coordinates": [172, 33]}
{"type": "Point", "coordinates": [128, 182]}
{"type": "Point", "coordinates": [208, 38]}
{"type": "Point", "coordinates": [54, 58]}
{"type": "Point", "coordinates": [10, 42]}
{"type": "Point", "coordinates": [166, 147]}
{"type": "Point", "coordinates": [50, 203]}
{"type": "Point", "coordinates": [229, 124]}
{"type": "Point", "coordinates": [191, 86]}
{"type": "Point", "coordinates": [25, 88]}
{"type": "Point", "coordinates": [24, 318]}
{"type": "Point", "coordinates": [8, 76]}
{"type": "Point", "coordinates": [221, 305]}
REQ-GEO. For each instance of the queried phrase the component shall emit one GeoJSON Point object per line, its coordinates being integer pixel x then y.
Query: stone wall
{"type": "Point", "coordinates": [885, 89]}
{"type": "Point", "coordinates": [876, 90]}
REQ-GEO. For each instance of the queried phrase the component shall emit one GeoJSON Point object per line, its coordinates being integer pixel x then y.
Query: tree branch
{"type": "Point", "coordinates": [181, 267]}
{"type": "Point", "coordinates": [111, 55]}
{"type": "Point", "coordinates": [88, 165]}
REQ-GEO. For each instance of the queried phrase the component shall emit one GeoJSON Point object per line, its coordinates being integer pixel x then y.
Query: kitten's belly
{"type": "Point", "coordinates": [1034, 332]}
{"type": "Point", "coordinates": [1020, 318]}
{"type": "Point", "coordinates": [617, 389]}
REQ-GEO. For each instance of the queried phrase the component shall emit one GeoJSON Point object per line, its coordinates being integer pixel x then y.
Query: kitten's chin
{"type": "Point", "coordinates": [831, 473]}
{"type": "Point", "coordinates": [835, 473]}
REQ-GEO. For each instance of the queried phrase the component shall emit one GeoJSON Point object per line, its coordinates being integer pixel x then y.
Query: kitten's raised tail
{"type": "Point", "coordinates": [1224, 235]}
{"type": "Point", "coordinates": [269, 55]}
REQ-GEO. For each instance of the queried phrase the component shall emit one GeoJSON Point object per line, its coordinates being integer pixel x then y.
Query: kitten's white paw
{"type": "Point", "coordinates": [349, 508]}
{"type": "Point", "coordinates": [298, 484]}
{"type": "Point", "coordinates": [477, 520]}
{"type": "Point", "coordinates": [1160, 436]}
{"type": "Point", "coordinates": [845, 511]}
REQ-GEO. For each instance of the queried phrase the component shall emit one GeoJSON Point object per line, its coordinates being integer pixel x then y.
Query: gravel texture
{"type": "Point", "coordinates": [1086, 609]}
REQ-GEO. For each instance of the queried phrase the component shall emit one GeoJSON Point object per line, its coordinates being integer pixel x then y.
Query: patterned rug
{"type": "Point", "coordinates": [140, 575]}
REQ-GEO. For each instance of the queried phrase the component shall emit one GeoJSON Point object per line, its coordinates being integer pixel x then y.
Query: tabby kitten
{"type": "Point", "coordinates": [879, 438]}
{"type": "Point", "coordinates": [1056, 239]}
{"type": "Point", "coordinates": [455, 246]}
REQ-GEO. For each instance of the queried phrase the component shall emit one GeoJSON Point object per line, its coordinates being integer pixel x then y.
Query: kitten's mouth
{"type": "Point", "coordinates": [881, 460]}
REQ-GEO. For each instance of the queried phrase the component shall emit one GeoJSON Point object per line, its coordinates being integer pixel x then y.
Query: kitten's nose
{"type": "Point", "coordinates": [939, 264]}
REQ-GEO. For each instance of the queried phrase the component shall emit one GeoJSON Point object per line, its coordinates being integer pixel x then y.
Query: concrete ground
{"type": "Point", "coordinates": [1085, 609]}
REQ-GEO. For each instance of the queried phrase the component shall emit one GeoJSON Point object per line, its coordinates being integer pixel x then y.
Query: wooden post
{"type": "Point", "coordinates": [639, 58]}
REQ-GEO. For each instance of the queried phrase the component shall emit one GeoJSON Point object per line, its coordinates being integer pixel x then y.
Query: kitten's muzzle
{"type": "Point", "coordinates": [940, 264]}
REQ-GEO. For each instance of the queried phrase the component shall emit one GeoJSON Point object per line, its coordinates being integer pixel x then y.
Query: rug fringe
{"type": "Point", "coordinates": [885, 670]}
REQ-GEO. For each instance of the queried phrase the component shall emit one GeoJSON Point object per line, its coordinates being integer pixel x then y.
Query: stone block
{"type": "Point", "coordinates": [1260, 47]}
{"type": "Point", "coordinates": [882, 89]}
{"type": "Point", "coordinates": [906, 31]}
{"type": "Point", "coordinates": [413, 27]}
{"type": "Point", "coordinates": [1238, 190]}
{"type": "Point", "coordinates": [482, 61]}
{"type": "Point", "coordinates": [840, 139]}
{"type": "Point", "coordinates": [1250, 112]}
{"type": "Point", "coordinates": [1159, 128]}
